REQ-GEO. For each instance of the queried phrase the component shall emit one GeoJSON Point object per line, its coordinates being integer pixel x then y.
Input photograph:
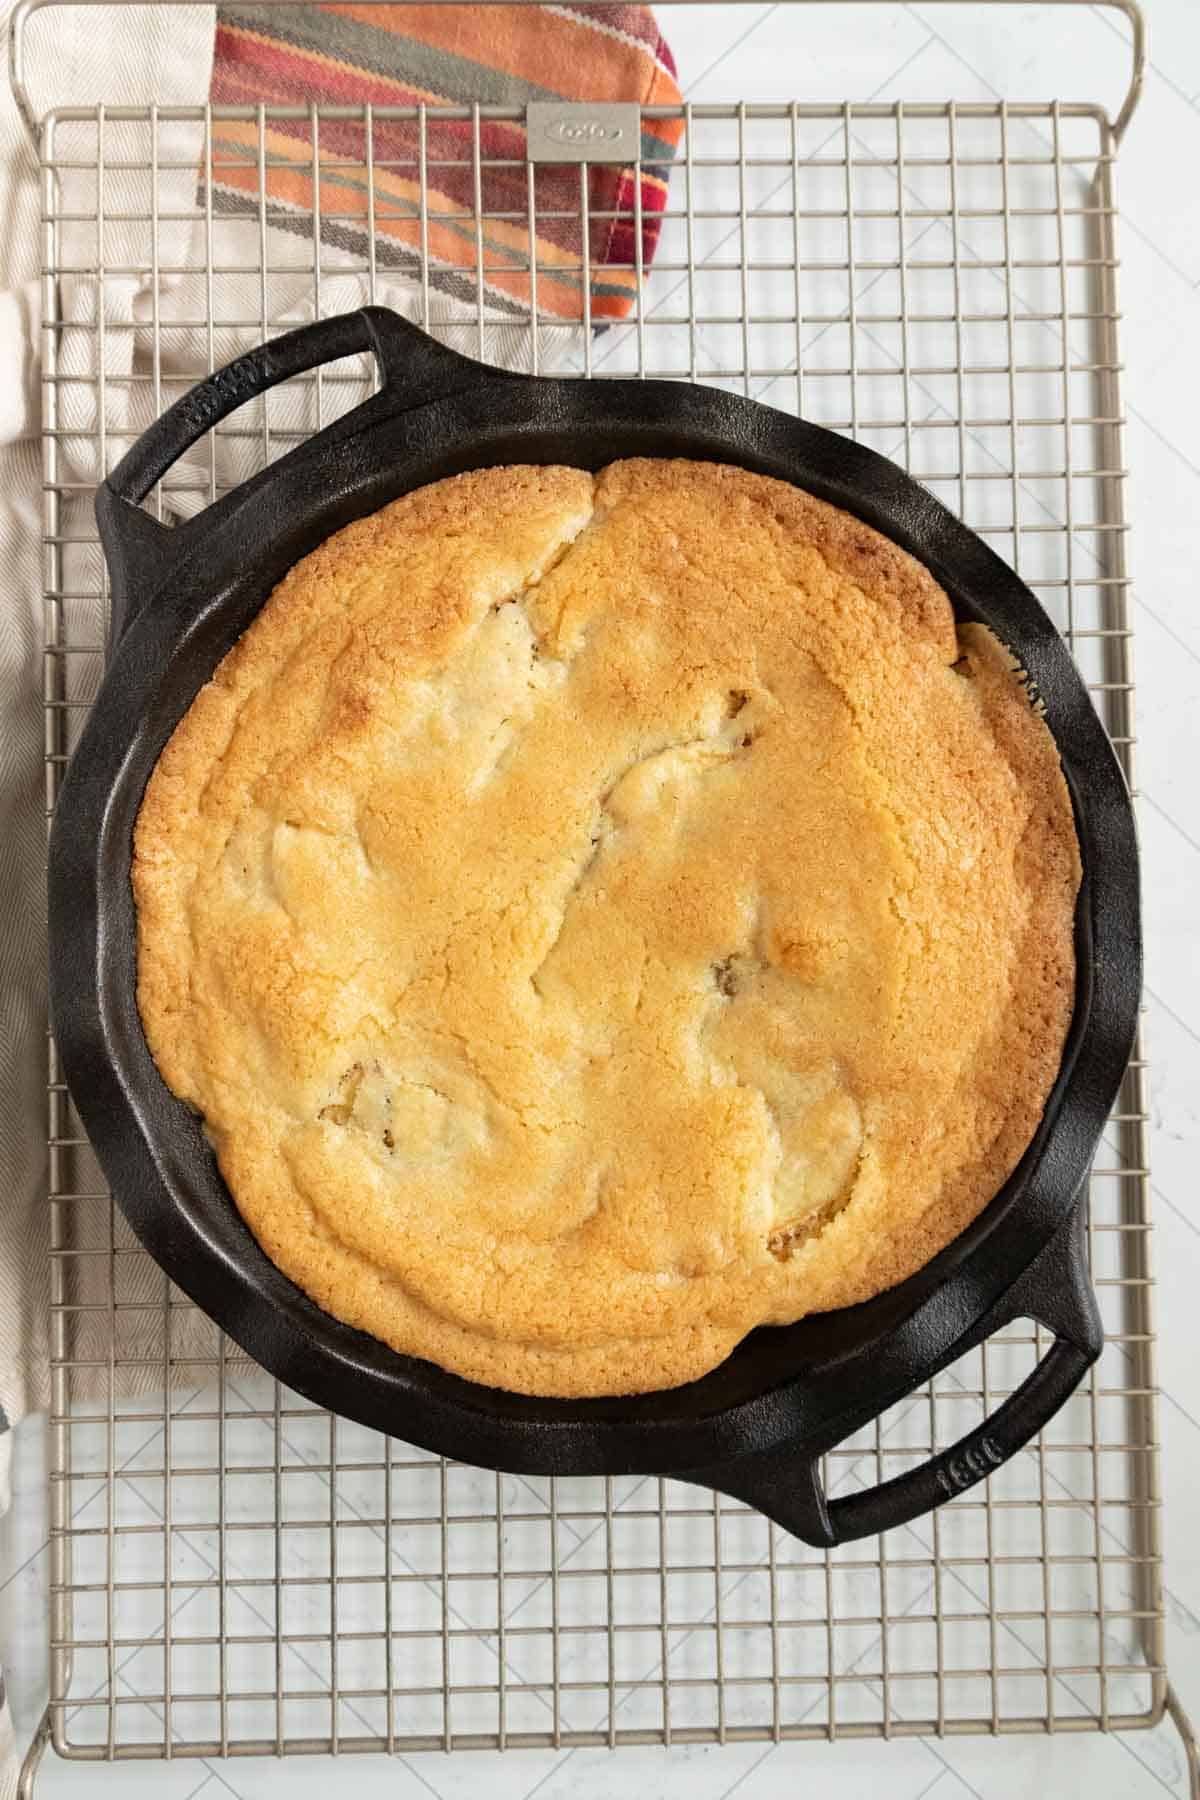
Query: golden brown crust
{"type": "Point", "coordinates": [598, 917]}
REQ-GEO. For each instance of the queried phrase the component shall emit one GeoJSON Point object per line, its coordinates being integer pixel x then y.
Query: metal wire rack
{"type": "Point", "coordinates": [235, 1572]}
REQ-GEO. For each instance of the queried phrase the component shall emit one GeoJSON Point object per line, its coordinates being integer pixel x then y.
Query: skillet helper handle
{"type": "Point", "coordinates": [1055, 1291]}
{"type": "Point", "coordinates": [139, 548]}
{"type": "Point", "coordinates": [973, 1458]}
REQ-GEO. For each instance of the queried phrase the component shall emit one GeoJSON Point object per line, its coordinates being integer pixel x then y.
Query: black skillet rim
{"type": "Point", "coordinates": [459, 415]}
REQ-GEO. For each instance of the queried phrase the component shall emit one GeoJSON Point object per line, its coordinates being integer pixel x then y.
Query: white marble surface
{"type": "Point", "coordinates": [920, 51]}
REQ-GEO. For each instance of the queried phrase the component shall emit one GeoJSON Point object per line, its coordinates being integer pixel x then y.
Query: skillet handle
{"type": "Point", "coordinates": [139, 549]}
{"type": "Point", "coordinates": [403, 352]}
{"type": "Point", "coordinates": [1056, 1291]}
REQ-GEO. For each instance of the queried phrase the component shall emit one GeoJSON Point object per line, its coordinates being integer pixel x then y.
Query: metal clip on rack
{"type": "Point", "coordinates": [237, 1573]}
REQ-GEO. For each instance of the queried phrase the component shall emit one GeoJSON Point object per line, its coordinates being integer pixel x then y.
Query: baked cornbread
{"type": "Point", "coordinates": [596, 916]}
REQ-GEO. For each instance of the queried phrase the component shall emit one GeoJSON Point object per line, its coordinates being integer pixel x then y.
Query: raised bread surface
{"type": "Point", "coordinates": [596, 916]}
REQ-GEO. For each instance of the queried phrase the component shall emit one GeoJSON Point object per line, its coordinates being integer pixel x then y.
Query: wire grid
{"type": "Point", "coordinates": [236, 1571]}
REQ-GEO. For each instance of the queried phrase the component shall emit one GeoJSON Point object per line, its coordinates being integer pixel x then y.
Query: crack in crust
{"type": "Point", "coordinates": [784, 1240]}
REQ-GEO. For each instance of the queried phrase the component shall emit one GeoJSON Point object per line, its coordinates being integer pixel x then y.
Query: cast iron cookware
{"type": "Point", "coordinates": [757, 1425]}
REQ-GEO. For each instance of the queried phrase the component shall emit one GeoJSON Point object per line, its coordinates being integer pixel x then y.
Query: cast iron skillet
{"type": "Point", "coordinates": [756, 1426]}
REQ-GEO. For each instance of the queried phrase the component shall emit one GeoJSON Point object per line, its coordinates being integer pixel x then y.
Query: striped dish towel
{"type": "Point", "coordinates": [347, 54]}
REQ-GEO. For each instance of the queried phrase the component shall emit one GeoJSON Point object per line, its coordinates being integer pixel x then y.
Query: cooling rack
{"type": "Point", "coordinates": [235, 1572]}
